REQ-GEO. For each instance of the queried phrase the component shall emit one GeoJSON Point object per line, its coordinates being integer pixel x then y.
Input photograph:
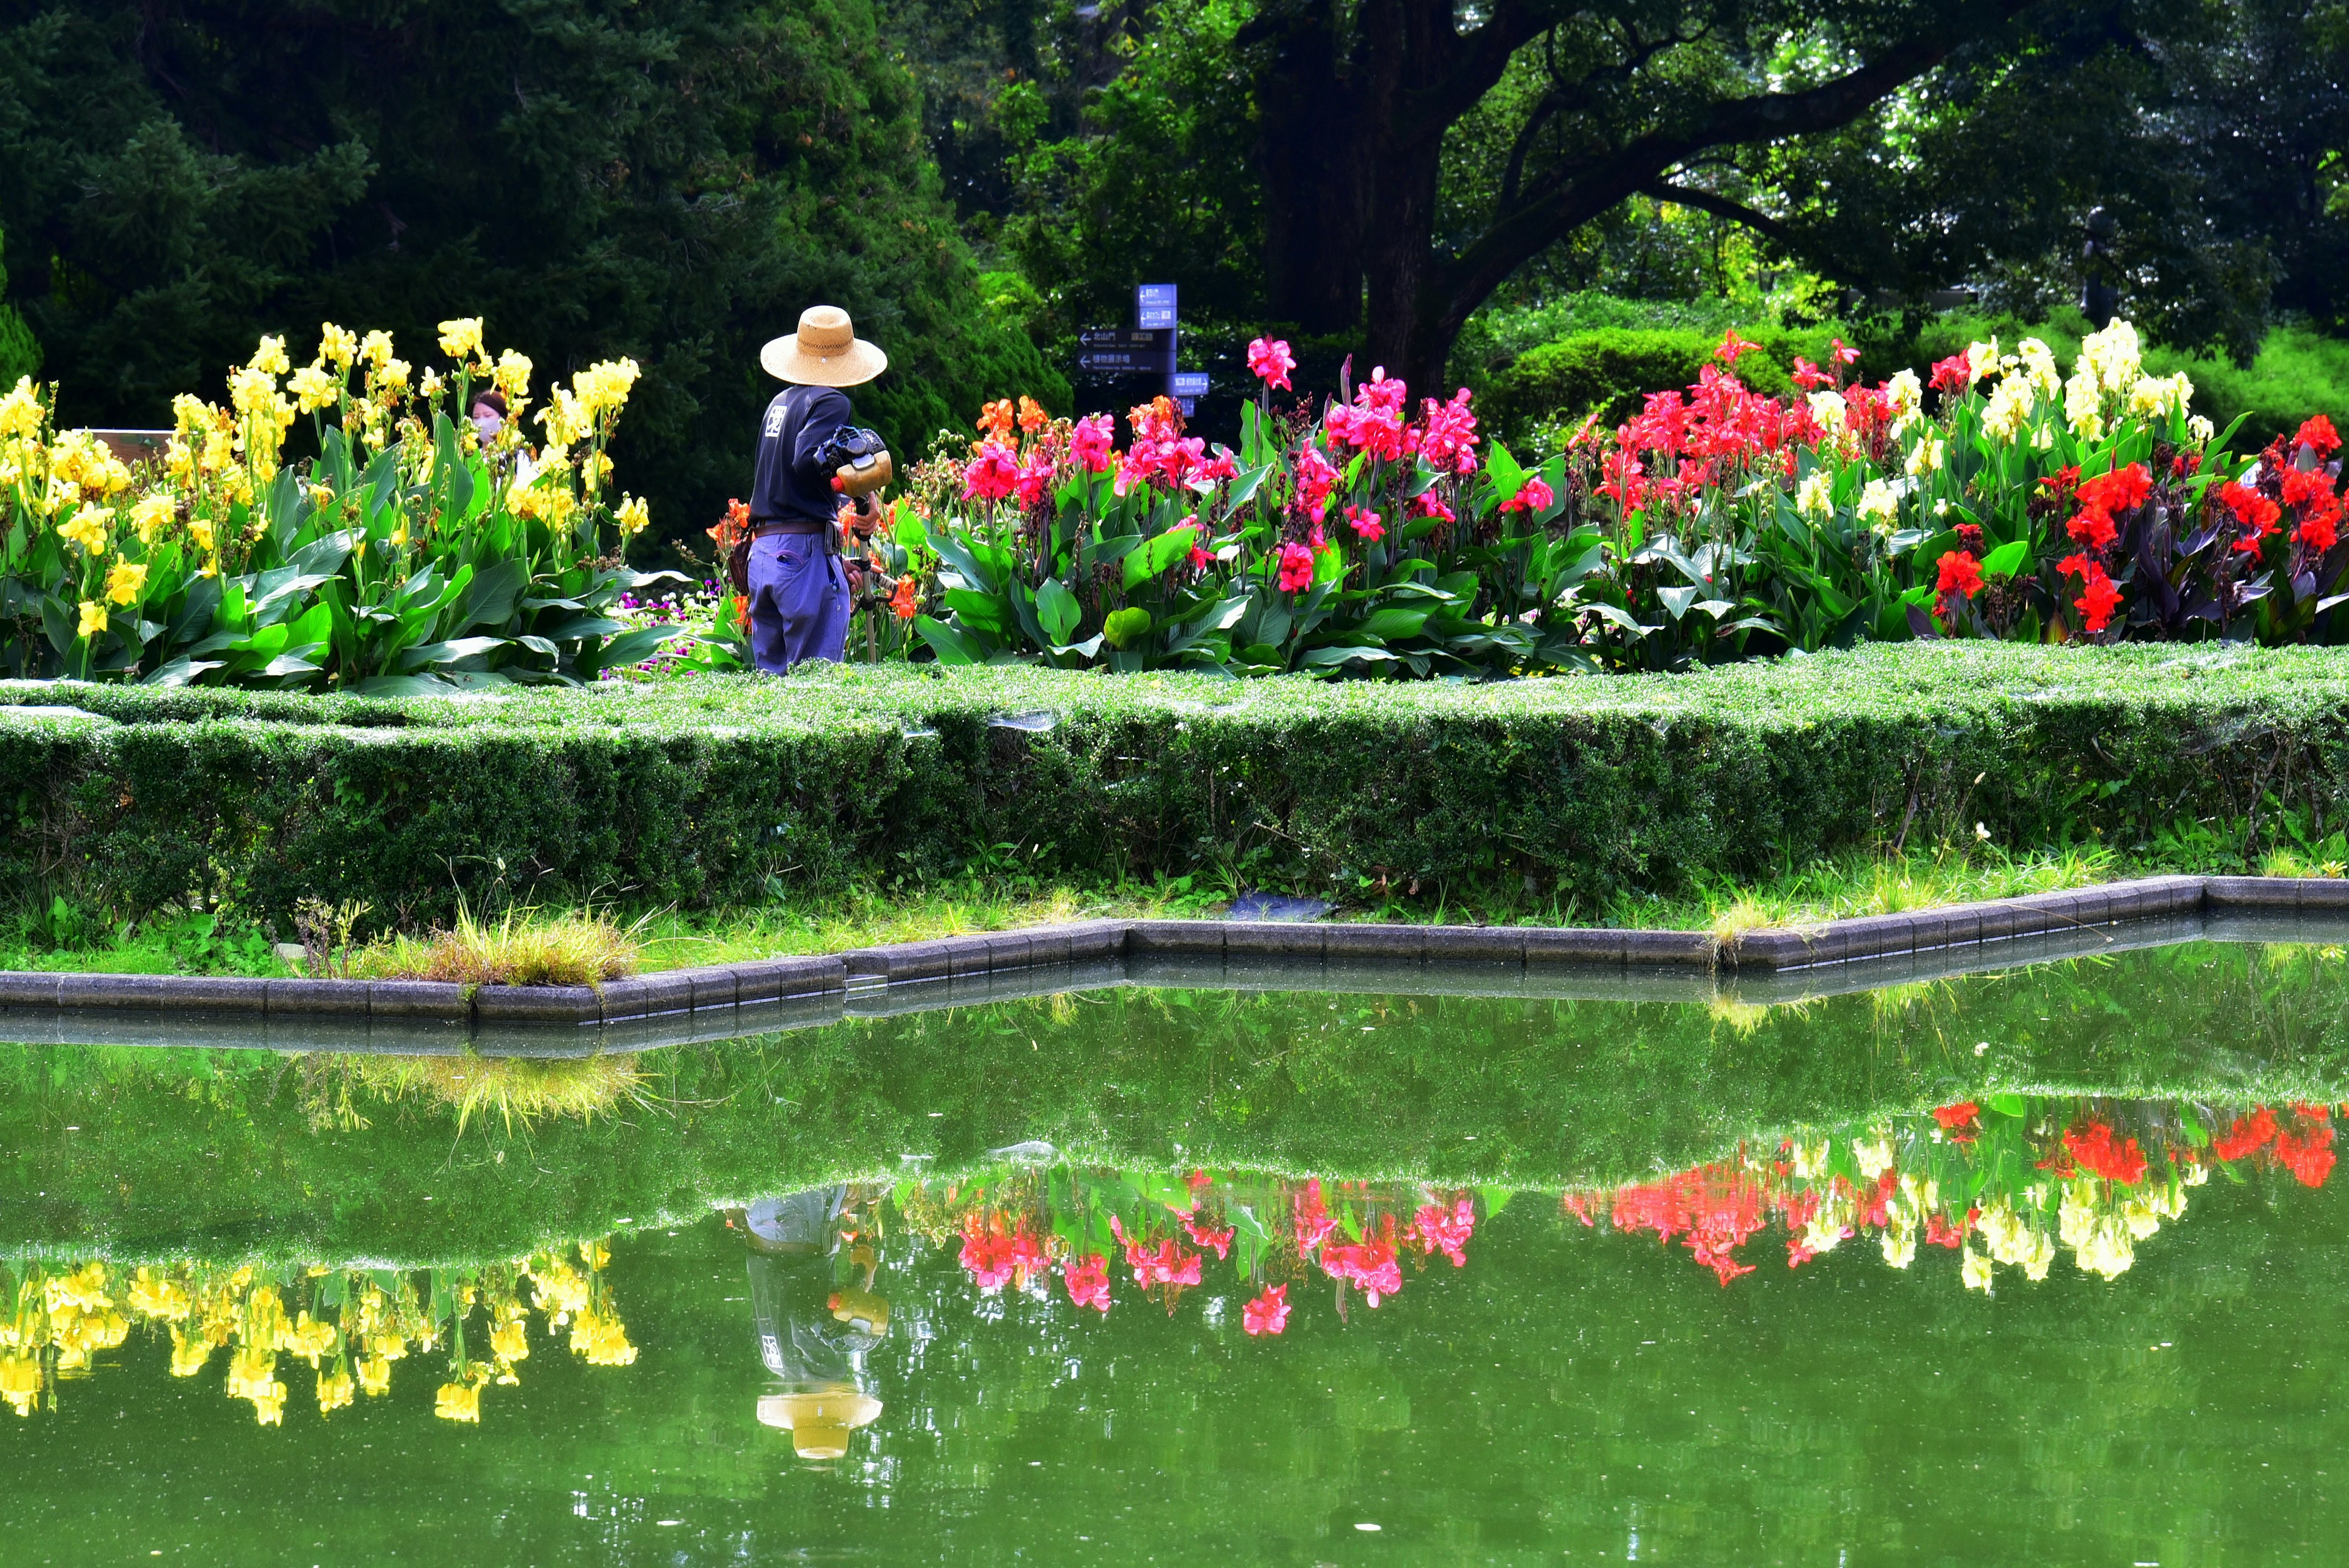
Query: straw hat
{"type": "Point", "coordinates": [818, 1423]}
{"type": "Point", "coordinates": [824, 352]}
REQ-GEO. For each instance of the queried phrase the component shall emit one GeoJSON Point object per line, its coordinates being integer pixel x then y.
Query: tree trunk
{"type": "Point", "coordinates": [1313, 152]}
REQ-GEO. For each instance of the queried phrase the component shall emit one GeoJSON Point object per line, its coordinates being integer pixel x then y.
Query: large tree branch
{"type": "Point", "coordinates": [1824, 263]}
{"type": "Point", "coordinates": [1578, 192]}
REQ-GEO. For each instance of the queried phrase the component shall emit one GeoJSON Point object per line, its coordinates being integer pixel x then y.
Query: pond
{"type": "Point", "coordinates": [2039, 1265]}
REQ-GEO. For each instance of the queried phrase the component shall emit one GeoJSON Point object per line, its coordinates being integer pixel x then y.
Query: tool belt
{"type": "Point", "coordinates": [737, 559]}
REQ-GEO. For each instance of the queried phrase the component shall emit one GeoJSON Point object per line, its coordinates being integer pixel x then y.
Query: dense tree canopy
{"type": "Point", "coordinates": [673, 180]}
{"type": "Point", "coordinates": [1381, 169]}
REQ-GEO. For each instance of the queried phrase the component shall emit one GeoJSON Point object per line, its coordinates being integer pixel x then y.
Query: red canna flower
{"type": "Point", "coordinates": [1960, 575]}
{"type": "Point", "coordinates": [2255, 514]}
{"type": "Point", "coordinates": [2245, 1136]}
{"type": "Point", "coordinates": [1268, 1313]}
{"type": "Point", "coordinates": [2099, 1154]}
{"type": "Point", "coordinates": [2318, 434]}
{"type": "Point", "coordinates": [1952, 375]}
{"type": "Point", "coordinates": [2062, 480]}
{"type": "Point", "coordinates": [1941, 1232]}
{"type": "Point", "coordinates": [2098, 598]}
{"type": "Point", "coordinates": [1807, 375]}
{"type": "Point", "coordinates": [1841, 352]}
{"type": "Point", "coordinates": [2118, 490]}
{"type": "Point", "coordinates": [1958, 1115]}
{"type": "Point", "coordinates": [2308, 1154]}
{"type": "Point", "coordinates": [1733, 345]}
{"type": "Point", "coordinates": [2093, 528]}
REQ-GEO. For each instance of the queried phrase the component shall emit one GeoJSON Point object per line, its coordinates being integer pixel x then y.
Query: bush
{"type": "Point", "coordinates": [724, 789]}
{"type": "Point", "coordinates": [1610, 372]}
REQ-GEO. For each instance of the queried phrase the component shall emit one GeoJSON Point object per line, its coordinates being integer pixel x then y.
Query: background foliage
{"type": "Point", "coordinates": [672, 180]}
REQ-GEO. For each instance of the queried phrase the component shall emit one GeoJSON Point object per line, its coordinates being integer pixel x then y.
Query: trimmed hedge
{"type": "Point", "coordinates": [1611, 371]}
{"type": "Point", "coordinates": [726, 789]}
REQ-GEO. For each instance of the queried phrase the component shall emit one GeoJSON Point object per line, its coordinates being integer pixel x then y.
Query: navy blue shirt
{"type": "Point", "coordinates": [788, 488]}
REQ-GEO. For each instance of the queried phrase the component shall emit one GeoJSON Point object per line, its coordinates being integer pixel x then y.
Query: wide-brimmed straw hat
{"type": "Point", "coordinates": [824, 352]}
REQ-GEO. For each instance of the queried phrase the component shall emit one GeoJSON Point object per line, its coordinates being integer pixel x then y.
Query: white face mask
{"type": "Point", "coordinates": [487, 424]}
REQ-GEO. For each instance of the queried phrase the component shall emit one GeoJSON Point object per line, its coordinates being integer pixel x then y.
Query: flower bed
{"type": "Point", "coordinates": [414, 553]}
{"type": "Point", "coordinates": [1379, 535]}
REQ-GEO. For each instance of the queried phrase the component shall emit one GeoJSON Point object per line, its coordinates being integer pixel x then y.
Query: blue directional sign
{"type": "Point", "coordinates": [1153, 308]}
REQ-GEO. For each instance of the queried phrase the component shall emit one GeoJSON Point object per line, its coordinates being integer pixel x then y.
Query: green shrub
{"type": "Point", "coordinates": [1610, 371]}
{"type": "Point", "coordinates": [722, 790]}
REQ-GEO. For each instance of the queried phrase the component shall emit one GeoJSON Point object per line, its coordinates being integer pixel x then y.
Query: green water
{"type": "Point", "coordinates": [2147, 1134]}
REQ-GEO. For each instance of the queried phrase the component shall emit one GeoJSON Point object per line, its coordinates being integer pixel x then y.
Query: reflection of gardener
{"type": "Point", "coordinates": [796, 586]}
{"type": "Point", "coordinates": [813, 1333]}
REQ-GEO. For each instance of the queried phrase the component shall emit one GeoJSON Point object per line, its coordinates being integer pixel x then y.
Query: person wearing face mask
{"type": "Point", "coordinates": [489, 415]}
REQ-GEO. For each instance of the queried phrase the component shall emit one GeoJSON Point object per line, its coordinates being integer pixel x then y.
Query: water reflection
{"type": "Point", "coordinates": [347, 1326]}
{"type": "Point", "coordinates": [815, 1312]}
{"type": "Point", "coordinates": [2001, 1185]}
{"type": "Point", "coordinates": [2010, 1186]}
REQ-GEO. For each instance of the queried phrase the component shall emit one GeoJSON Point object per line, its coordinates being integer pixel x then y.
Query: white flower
{"type": "Point", "coordinates": [1982, 358]}
{"type": "Point", "coordinates": [1925, 457]}
{"type": "Point", "coordinates": [1879, 503]}
{"type": "Point", "coordinates": [2201, 428]}
{"type": "Point", "coordinates": [1904, 392]}
{"type": "Point", "coordinates": [1976, 1272]}
{"type": "Point", "coordinates": [2010, 405]}
{"type": "Point", "coordinates": [1899, 1244]}
{"type": "Point", "coordinates": [2111, 356]}
{"type": "Point", "coordinates": [2039, 367]}
{"type": "Point", "coordinates": [1828, 408]}
{"type": "Point", "coordinates": [1814, 496]}
{"type": "Point", "coordinates": [1810, 1161]}
{"type": "Point", "coordinates": [1874, 1154]}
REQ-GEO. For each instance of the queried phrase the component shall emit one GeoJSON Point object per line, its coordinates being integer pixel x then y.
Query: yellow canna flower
{"type": "Point", "coordinates": [375, 349]}
{"type": "Point", "coordinates": [375, 1375]}
{"type": "Point", "coordinates": [190, 1352]}
{"type": "Point", "coordinates": [391, 375]}
{"type": "Point", "coordinates": [20, 1381]}
{"type": "Point", "coordinates": [634, 517]}
{"type": "Point", "coordinates": [458, 1402]}
{"type": "Point", "coordinates": [335, 1390]}
{"type": "Point", "coordinates": [430, 386]}
{"type": "Point", "coordinates": [270, 358]}
{"type": "Point", "coordinates": [336, 346]}
{"type": "Point", "coordinates": [199, 529]}
{"type": "Point", "coordinates": [21, 414]}
{"type": "Point", "coordinates": [461, 338]}
{"type": "Point", "coordinates": [93, 619]}
{"type": "Point", "coordinates": [152, 513]}
{"type": "Point", "coordinates": [514, 377]}
{"type": "Point", "coordinates": [313, 388]}
{"type": "Point", "coordinates": [510, 1341]}
{"type": "Point", "coordinates": [126, 580]}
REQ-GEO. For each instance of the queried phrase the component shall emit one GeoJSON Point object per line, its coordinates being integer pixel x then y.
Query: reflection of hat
{"type": "Point", "coordinates": [818, 1423]}
{"type": "Point", "coordinates": [824, 352]}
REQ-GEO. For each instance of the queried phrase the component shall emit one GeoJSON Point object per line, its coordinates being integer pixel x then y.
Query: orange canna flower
{"type": "Point", "coordinates": [905, 600]}
{"type": "Point", "coordinates": [1032, 417]}
{"type": "Point", "coordinates": [998, 418]}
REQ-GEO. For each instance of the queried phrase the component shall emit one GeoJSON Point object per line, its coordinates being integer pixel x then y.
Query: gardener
{"type": "Point", "coordinates": [797, 587]}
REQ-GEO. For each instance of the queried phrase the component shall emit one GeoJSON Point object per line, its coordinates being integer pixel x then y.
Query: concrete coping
{"type": "Point", "coordinates": [718, 991]}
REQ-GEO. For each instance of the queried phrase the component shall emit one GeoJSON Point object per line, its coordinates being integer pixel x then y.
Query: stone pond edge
{"type": "Point", "coordinates": [685, 991]}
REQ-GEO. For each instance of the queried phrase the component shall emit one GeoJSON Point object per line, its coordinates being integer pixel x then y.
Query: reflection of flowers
{"type": "Point", "coordinates": [2106, 1188]}
{"type": "Point", "coordinates": [347, 1326]}
{"type": "Point", "coordinates": [1268, 1313]}
{"type": "Point", "coordinates": [1013, 1230]}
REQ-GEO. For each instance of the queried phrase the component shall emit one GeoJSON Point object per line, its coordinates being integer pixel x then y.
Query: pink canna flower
{"type": "Point", "coordinates": [1445, 1231]}
{"type": "Point", "coordinates": [1370, 1265]}
{"type": "Point", "coordinates": [1268, 1313]}
{"type": "Point", "coordinates": [1269, 360]}
{"type": "Point", "coordinates": [1209, 1234]}
{"type": "Point", "coordinates": [1368, 526]}
{"type": "Point", "coordinates": [1088, 1282]}
{"type": "Point", "coordinates": [1447, 435]}
{"type": "Point", "coordinates": [992, 475]}
{"type": "Point", "coordinates": [1315, 480]}
{"type": "Point", "coordinates": [1296, 568]}
{"type": "Point", "coordinates": [1311, 1216]}
{"type": "Point", "coordinates": [1533, 496]}
{"type": "Point", "coordinates": [1090, 443]}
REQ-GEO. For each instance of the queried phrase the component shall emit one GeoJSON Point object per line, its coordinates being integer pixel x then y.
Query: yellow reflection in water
{"type": "Point", "coordinates": [349, 1325]}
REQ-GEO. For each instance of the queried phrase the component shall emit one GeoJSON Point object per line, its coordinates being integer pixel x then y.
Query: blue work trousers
{"type": "Point", "coordinates": [799, 602]}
